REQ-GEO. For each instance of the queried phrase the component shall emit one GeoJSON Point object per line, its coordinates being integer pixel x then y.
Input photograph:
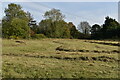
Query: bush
{"type": "Point", "coordinates": [13, 37]}
{"type": "Point", "coordinates": [38, 36]}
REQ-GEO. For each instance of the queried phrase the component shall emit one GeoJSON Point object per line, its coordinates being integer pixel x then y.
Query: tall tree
{"type": "Point", "coordinates": [84, 27]}
{"type": "Point", "coordinates": [15, 23]}
{"type": "Point", "coordinates": [110, 24]}
{"type": "Point", "coordinates": [73, 31]}
{"type": "Point", "coordinates": [110, 28]}
{"type": "Point", "coordinates": [29, 16]}
{"type": "Point", "coordinates": [54, 15]}
{"type": "Point", "coordinates": [95, 28]}
{"type": "Point", "coordinates": [56, 29]}
{"type": "Point", "coordinates": [54, 25]}
{"type": "Point", "coordinates": [95, 31]}
{"type": "Point", "coordinates": [15, 11]}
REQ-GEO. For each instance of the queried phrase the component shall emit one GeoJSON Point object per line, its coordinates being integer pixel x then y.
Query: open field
{"type": "Point", "coordinates": [60, 58]}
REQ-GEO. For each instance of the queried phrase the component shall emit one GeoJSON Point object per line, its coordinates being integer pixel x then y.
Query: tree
{"type": "Point", "coordinates": [54, 15]}
{"type": "Point", "coordinates": [0, 23]}
{"type": "Point", "coordinates": [15, 23]}
{"type": "Point", "coordinates": [95, 28]}
{"type": "Point", "coordinates": [95, 31]}
{"type": "Point", "coordinates": [110, 28]}
{"type": "Point", "coordinates": [17, 27]}
{"type": "Point", "coordinates": [110, 24]}
{"type": "Point", "coordinates": [44, 27]}
{"type": "Point", "coordinates": [73, 31]}
{"type": "Point", "coordinates": [54, 25]}
{"type": "Point", "coordinates": [84, 27]}
{"type": "Point", "coordinates": [56, 29]}
{"type": "Point", "coordinates": [15, 11]}
{"type": "Point", "coordinates": [29, 16]}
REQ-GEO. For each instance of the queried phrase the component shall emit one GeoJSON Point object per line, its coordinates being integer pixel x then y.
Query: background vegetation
{"type": "Point", "coordinates": [20, 24]}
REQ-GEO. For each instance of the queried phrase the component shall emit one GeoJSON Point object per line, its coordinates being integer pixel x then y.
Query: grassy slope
{"type": "Point", "coordinates": [39, 58]}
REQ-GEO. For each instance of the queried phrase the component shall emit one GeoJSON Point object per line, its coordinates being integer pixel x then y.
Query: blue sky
{"type": "Point", "coordinates": [93, 12]}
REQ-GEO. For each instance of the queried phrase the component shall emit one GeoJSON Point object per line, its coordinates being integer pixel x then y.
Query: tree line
{"type": "Point", "coordinates": [20, 24]}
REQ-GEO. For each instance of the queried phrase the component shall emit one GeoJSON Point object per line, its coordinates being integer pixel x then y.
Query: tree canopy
{"type": "Point", "coordinates": [110, 29]}
{"type": "Point", "coordinates": [84, 27]}
{"type": "Point", "coordinates": [15, 23]}
{"type": "Point", "coordinates": [54, 15]}
{"type": "Point", "coordinates": [20, 24]}
{"type": "Point", "coordinates": [56, 29]}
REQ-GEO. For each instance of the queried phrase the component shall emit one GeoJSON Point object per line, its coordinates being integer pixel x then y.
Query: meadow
{"type": "Point", "coordinates": [59, 58]}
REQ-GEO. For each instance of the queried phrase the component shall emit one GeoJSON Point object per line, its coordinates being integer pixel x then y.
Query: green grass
{"type": "Point", "coordinates": [40, 59]}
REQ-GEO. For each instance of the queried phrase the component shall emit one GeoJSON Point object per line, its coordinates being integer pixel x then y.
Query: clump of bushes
{"type": "Point", "coordinates": [13, 37]}
{"type": "Point", "coordinates": [39, 36]}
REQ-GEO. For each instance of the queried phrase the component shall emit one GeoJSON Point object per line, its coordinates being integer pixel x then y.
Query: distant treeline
{"type": "Point", "coordinates": [20, 24]}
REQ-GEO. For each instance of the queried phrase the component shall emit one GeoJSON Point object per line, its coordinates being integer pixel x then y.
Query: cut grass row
{"type": "Point", "coordinates": [84, 58]}
{"type": "Point", "coordinates": [40, 59]}
{"type": "Point", "coordinates": [22, 67]}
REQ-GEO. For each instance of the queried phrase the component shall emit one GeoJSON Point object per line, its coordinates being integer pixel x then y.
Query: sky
{"type": "Point", "coordinates": [76, 12]}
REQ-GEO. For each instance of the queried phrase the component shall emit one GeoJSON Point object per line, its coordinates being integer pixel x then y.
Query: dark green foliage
{"type": "Point", "coordinates": [95, 31]}
{"type": "Point", "coordinates": [109, 30]}
{"type": "Point", "coordinates": [110, 24]}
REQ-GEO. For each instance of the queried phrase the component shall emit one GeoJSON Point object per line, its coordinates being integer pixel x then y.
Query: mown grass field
{"type": "Point", "coordinates": [60, 58]}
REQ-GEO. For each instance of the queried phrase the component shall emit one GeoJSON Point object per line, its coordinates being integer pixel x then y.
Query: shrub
{"type": "Point", "coordinates": [38, 36]}
{"type": "Point", "coordinates": [13, 37]}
